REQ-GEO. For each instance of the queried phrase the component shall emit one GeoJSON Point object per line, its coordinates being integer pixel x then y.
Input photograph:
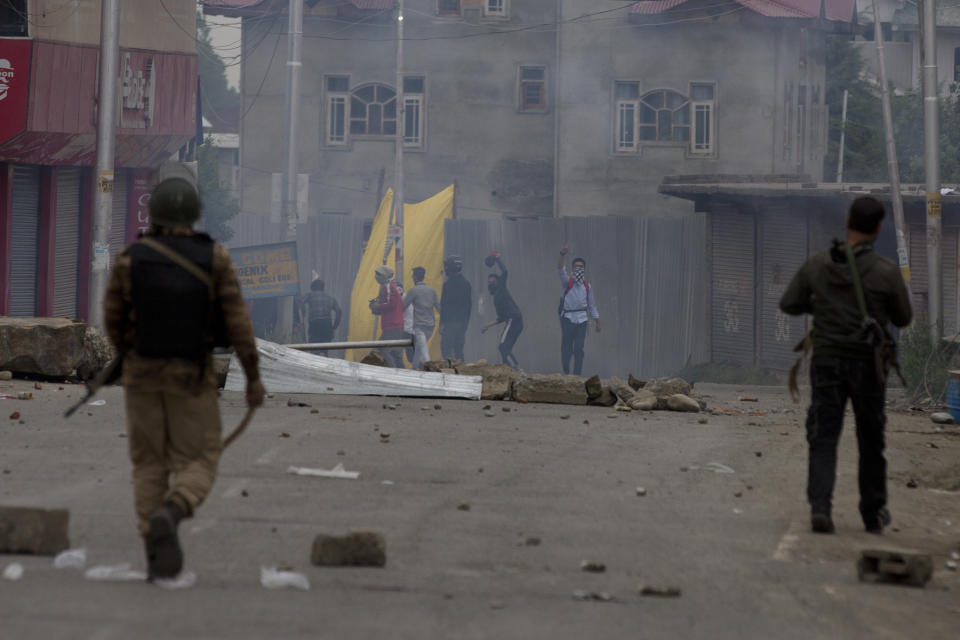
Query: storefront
{"type": "Point", "coordinates": [48, 96]}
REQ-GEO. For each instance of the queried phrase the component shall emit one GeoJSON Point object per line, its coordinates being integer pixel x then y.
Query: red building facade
{"type": "Point", "coordinates": [48, 119]}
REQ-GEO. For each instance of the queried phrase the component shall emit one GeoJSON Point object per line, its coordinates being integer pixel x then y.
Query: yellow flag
{"type": "Point", "coordinates": [422, 247]}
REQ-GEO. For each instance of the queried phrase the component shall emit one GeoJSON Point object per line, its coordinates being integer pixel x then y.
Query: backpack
{"type": "Point", "coordinates": [570, 283]}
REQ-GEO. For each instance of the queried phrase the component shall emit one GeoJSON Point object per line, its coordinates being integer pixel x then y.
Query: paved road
{"type": "Point", "coordinates": [747, 566]}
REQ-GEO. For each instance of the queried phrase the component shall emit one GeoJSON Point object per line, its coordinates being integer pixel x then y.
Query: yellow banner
{"type": "Point", "coordinates": [422, 247]}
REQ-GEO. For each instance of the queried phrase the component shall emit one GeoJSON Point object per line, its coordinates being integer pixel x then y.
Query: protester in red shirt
{"type": "Point", "coordinates": [389, 306]}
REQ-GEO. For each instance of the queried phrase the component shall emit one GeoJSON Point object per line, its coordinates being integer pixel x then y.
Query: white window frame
{"type": "Point", "coordinates": [331, 98]}
{"type": "Point", "coordinates": [622, 106]}
{"type": "Point", "coordinates": [710, 106]}
{"type": "Point", "coordinates": [521, 108]}
{"type": "Point", "coordinates": [496, 8]}
{"type": "Point", "coordinates": [413, 99]}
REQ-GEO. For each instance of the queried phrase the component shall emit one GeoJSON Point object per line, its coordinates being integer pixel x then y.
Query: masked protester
{"type": "Point", "coordinates": [456, 300]}
{"type": "Point", "coordinates": [389, 306]}
{"type": "Point", "coordinates": [508, 313]}
{"type": "Point", "coordinates": [577, 306]}
{"type": "Point", "coordinates": [424, 300]}
{"type": "Point", "coordinates": [172, 295]}
{"type": "Point", "coordinates": [852, 293]}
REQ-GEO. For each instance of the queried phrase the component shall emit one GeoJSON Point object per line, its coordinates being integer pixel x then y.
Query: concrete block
{"type": "Point", "coordinates": [551, 389]}
{"type": "Point", "coordinates": [621, 389]}
{"type": "Point", "coordinates": [497, 379]}
{"type": "Point", "coordinates": [669, 387]}
{"type": "Point", "coordinates": [356, 549]}
{"type": "Point", "coordinates": [643, 400]}
{"type": "Point", "coordinates": [634, 383]}
{"type": "Point", "coordinates": [55, 347]}
{"type": "Point", "coordinates": [898, 567]}
{"type": "Point", "coordinates": [34, 531]}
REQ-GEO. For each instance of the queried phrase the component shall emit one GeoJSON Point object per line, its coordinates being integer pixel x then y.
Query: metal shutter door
{"type": "Point", "coordinates": [918, 269]}
{"type": "Point", "coordinates": [67, 254]}
{"type": "Point", "coordinates": [26, 218]}
{"type": "Point", "coordinates": [118, 224]}
{"type": "Point", "coordinates": [783, 248]}
{"type": "Point", "coordinates": [732, 285]}
{"type": "Point", "coordinates": [948, 248]}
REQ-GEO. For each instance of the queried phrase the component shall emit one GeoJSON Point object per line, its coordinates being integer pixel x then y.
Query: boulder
{"type": "Point", "coordinates": [552, 389]}
{"type": "Point", "coordinates": [621, 389]}
{"type": "Point", "coordinates": [356, 549]}
{"type": "Point", "coordinates": [669, 387]}
{"type": "Point", "coordinates": [55, 347]}
{"type": "Point", "coordinates": [605, 399]}
{"type": "Point", "coordinates": [634, 383]}
{"type": "Point", "coordinates": [36, 531]}
{"type": "Point", "coordinates": [643, 400]}
{"type": "Point", "coordinates": [497, 379]}
{"type": "Point", "coordinates": [681, 402]}
{"type": "Point", "coordinates": [594, 387]}
{"type": "Point", "coordinates": [435, 365]}
{"type": "Point", "coordinates": [374, 358]}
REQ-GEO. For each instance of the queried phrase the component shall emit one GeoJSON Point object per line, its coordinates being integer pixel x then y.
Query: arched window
{"type": "Point", "coordinates": [373, 110]}
{"type": "Point", "coordinates": [664, 116]}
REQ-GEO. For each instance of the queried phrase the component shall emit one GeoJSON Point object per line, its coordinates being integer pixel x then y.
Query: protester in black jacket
{"type": "Point", "coordinates": [508, 313]}
{"type": "Point", "coordinates": [456, 299]}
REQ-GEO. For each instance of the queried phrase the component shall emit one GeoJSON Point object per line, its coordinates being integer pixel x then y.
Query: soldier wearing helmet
{"type": "Point", "coordinates": [172, 296]}
{"type": "Point", "coordinates": [456, 300]}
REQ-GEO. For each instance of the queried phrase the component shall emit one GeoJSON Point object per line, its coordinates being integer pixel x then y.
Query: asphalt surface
{"type": "Point", "coordinates": [548, 487]}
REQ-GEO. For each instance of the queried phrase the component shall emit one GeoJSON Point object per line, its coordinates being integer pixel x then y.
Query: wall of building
{"type": "Point", "coordinates": [144, 24]}
{"type": "Point", "coordinates": [500, 158]}
{"type": "Point", "coordinates": [763, 63]}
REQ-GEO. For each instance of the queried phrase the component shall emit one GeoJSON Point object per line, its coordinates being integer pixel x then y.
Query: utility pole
{"type": "Point", "coordinates": [843, 134]}
{"type": "Point", "coordinates": [106, 122]}
{"type": "Point", "coordinates": [401, 121]}
{"type": "Point", "coordinates": [931, 147]}
{"type": "Point", "coordinates": [893, 169]}
{"type": "Point", "coordinates": [294, 65]}
{"type": "Point", "coordinates": [558, 76]}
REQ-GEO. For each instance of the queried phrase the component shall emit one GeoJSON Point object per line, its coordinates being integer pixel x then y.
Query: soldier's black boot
{"type": "Point", "coordinates": [164, 556]}
{"type": "Point", "coordinates": [821, 522]}
{"type": "Point", "coordinates": [875, 523]}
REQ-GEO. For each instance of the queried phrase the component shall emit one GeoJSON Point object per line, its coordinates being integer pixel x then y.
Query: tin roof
{"type": "Point", "coordinates": [841, 10]}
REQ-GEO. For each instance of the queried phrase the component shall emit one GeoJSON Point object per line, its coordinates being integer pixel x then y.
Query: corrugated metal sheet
{"type": "Point", "coordinates": [26, 219]}
{"type": "Point", "coordinates": [783, 249]}
{"type": "Point", "coordinates": [841, 10]}
{"type": "Point", "coordinates": [919, 283]}
{"type": "Point", "coordinates": [67, 243]}
{"type": "Point", "coordinates": [648, 276]}
{"type": "Point", "coordinates": [951, 319]}
{"type": "Point", "coordinates": [118, 219]}
{"type": "Point", "coordinates": [732, 297]}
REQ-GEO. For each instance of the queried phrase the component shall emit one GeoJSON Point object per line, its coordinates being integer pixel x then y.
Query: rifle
{"type": "Point", "coordinates": [110, 373]}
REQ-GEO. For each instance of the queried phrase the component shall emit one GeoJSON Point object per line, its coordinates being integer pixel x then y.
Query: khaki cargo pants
{"type": "Point", "coordinates": [175, 448]}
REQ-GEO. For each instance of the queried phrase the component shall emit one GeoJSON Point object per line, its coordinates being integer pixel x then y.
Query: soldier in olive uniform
{"type": "Point", "coordinates": [845, 361]}
{"type": "Point", "coordinates": [165, 316]}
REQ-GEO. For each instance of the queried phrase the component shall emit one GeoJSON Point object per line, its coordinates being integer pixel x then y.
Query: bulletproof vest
{"type": "Point", "coordinates": [174, 313]}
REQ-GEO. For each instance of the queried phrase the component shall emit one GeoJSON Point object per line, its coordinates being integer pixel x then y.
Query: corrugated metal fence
{"type": "Point", "coordinates": [649, 275]}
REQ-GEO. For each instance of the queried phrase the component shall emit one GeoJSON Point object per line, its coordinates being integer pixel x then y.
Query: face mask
{"type": "Point", "coordinates": [578, 274]}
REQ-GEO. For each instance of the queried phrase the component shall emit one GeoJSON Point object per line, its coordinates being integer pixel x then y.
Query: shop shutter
{"type": "Point", "coordinates": [949, 257]}
{"type": "Point", "coordinates": [783, 248]}
{"type": "Point", "coordinates": [118, 224]}
{"type": "Point", "coordinates": [67, 256]}
{"type": "Point", "coordinates": [732, 285]}
{"type": "Point", "coordinates": [26, 218]}
{"type": "Point", "coordinates": [918, 269]}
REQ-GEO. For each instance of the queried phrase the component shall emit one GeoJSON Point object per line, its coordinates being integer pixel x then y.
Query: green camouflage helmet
{"type": "Point", "coordinates": [174, 203]}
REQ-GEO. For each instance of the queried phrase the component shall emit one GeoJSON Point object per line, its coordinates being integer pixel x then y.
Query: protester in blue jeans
{"type": "Point", "coordinates": [577, 306]}
{"type": "Point", "coordinates": [424, 301]}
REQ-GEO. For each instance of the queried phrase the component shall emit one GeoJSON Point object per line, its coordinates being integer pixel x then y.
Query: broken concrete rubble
{"type": "Point", "coordinates": [55, 347]}
{"type": "Point", "coordinates": [594, 387]}
{"type": "Point", "coordinates": [552, 389]}
{"type": "Point", "coordinates": [37, 531]}
{"type": "Point", "coordinates": [634, 383]}
{"type": "Point", "coordinates": [681, 402]}
{"type": "Point", "coordinates": [621, 389]}
{"type": "Point", "coordinates": [356, 549]}
{"type": "Point", "coordinates": [374, 358]}
{"type": "Point", "coordinates": [643, 400]}
{"type": "Point", "coordinates": [606, 398]}
{"type": "Point", "coordinates": [669, 387]}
